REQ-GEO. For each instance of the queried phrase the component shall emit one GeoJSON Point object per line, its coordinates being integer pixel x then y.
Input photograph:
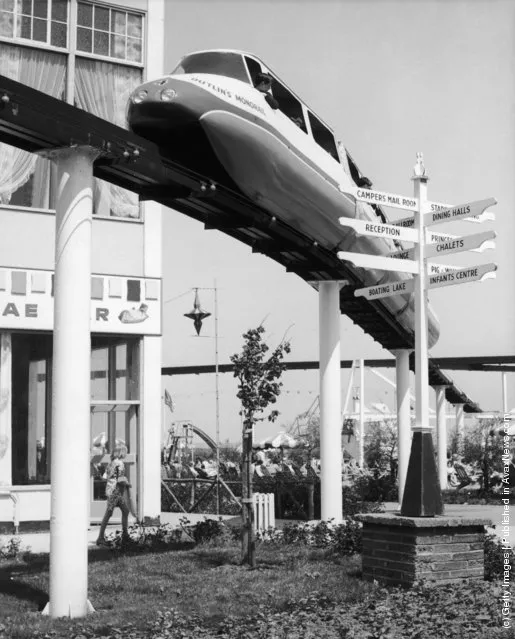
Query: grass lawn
{"type": "Point", "coordinates": [202, 591]}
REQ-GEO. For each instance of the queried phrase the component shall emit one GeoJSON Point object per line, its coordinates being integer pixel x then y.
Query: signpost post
{"type": "Point", "coordinates": [422, 493]}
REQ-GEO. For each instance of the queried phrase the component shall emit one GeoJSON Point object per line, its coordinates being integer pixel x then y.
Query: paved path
{"type": "Point", "coordinates": [40, 542]}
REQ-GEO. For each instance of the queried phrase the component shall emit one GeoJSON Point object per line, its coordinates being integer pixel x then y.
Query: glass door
{"type": "Point", "coordinates": [114, 415]}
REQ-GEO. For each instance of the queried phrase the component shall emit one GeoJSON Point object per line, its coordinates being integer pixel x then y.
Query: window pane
{"type": "Point", "coordinates": [99, 378]}
{"type": "Point", "coordinates": [6, 24]}
{"type": "Point", "coordinates": [41, 8]}
{"type": "Point", "coordinates": [26, 7]}
{"type": "Point", "coordinates": [102, 18]}
{"type": "Point", "coordinates": [84, 39]}
{"type": "Point", "coordinates": [133, 50]}
{"type": "Point", "coordinates": [40, 30]}
{"type": "Point", "coordinates": [58, 38]}
{"type": "Point", "coordinates": [60, 10]}
{"type": "Point", "coordinates": [8, 5]}
{"type": "Point", "coordinates": [85, 15]}
{"type": "Point", "coordinates": [134, 25]}
{"type": "Point", "coordinates": [118, 47]}
{"type": "Point", "coordinates": [118, 22]}
{"type": "Point", "coordinates": [24, 28]}
{"type": "Point", "coordinates": [101, 45]}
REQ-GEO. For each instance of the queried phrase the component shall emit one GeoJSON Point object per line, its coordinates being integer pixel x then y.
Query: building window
{"type": "Point", "coordinates": [106, 31]}
{"type": "Point", "coordinates": [44, 21]}
{"type": "Point", "coordinates": [114, 378]}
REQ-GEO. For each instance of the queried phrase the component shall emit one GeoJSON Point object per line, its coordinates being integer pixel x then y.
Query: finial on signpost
{"type": "Point", "coordinates": [419, 170]}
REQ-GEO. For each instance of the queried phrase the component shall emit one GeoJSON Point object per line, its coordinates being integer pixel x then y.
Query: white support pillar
{"type": "Point", "coordinates": [71, 371]}
{"type": "Point", "coordinates": [441, 429]}
{"type": "Point", "coordinates": [421, 350]}
{"type": "Point", "coordinates": [5, 409]}
{"type": "Point", "coordinates": [361, 442]}
{"type": "Point", "coordinates": [402, 391]}
{"type": "Point", "coordinates": [460, 428]}
{"type": "Point", "coordinates": [330, 402]}
{"type": "Point", "coordinates": [504, 394]}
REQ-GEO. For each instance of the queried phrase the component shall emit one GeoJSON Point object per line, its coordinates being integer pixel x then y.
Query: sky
{"type": "Point", "coordinates": [392, 78]}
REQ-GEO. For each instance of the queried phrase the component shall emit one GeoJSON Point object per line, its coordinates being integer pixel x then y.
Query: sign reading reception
{"type": "Point", "coordinates": [127, 305]}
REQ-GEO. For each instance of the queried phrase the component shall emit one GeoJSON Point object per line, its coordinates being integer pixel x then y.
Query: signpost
{"type": "Point", "coordinates": [422, 494]}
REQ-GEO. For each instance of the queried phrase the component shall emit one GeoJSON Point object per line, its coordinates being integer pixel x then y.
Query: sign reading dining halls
{"type": "Point", "coordinates": [383, 199]}
{"type": "Point", "coordinates": [439, 213]}
{"type": "Point", "coordinates": [123, 305]}
{"type": "Point", "coordinates": [376, 229]}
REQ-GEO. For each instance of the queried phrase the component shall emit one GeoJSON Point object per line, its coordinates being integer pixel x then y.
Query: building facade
{"type": "Point", "coordinates": [90, 54]}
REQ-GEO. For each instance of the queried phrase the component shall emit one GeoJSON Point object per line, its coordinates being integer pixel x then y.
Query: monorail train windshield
{"type": "Point", "coordinates": [224, 63]}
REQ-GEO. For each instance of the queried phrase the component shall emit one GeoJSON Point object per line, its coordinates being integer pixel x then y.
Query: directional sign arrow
{"type": "Point", "coordinates": [446, 244]}
{"type": "Point", "coordinates": [385, 290]}
{"type": "Point", "coordinates": [466, 243]}
{"type": "Point", "coordinates": [382, 198]}
{"type": "Point", "coordinates": [458, 212]}
{"type": "Point", "coordinates": [375, 229]}
{"type": "Point", "coordinates": [486, 216]}
{"type": "Point", "coordinates": [436, 208]}
{"type": "Point", "coordinates": [471, 274]}
{"type": "Point", "coordinates": [379, 262]}
{"type": "Point", "coordinates": [436, 269]}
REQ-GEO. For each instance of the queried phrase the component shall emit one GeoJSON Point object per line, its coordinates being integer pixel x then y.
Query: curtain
{"type": "Point", "coordinates": [103, 89]}
{"type": "Point", "coordinates": [45, 71]}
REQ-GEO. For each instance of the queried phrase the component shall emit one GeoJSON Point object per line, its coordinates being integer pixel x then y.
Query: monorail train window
{"type": "Point", "coordinates": [254, 69]}
{"type": "Point", "coordinates": [323, 136]}
{"type": "Point", "coordinates": [223, 63]}
{"type": "Point", "coordinates": [288, 104]}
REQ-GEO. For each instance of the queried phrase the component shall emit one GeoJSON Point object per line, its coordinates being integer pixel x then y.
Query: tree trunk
{"type": "Point", "coordinates": [248, 540]}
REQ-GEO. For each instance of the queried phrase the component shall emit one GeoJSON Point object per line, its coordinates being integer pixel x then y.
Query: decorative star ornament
{"type": "Point", "coordinates": [197, 314]}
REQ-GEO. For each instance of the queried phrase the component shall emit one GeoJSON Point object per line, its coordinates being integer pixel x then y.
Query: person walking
{"type": "Point", "coordinates": [117, 493]}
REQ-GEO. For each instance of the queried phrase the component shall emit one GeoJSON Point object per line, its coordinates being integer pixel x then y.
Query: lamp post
{"type": "Point", "coordinates": [198, 315]}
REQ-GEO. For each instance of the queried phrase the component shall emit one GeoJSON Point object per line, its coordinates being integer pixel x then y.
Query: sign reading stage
{"type": "Point", "coordinates": [376, 229]}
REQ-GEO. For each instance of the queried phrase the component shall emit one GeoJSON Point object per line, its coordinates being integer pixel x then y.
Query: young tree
{"type": "Point", "coordinates": [258, 387]}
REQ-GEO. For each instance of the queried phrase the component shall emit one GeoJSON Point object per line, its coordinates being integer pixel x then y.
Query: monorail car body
{"type": "Point", "coordinates": [209, 116]}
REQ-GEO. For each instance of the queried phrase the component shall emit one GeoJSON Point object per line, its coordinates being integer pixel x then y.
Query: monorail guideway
{"type": "Point", "coordinates": [84, 146]}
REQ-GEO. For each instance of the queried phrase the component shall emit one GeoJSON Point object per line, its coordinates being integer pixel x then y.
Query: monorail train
{"type": "Point", "coordinates": [227, 116]}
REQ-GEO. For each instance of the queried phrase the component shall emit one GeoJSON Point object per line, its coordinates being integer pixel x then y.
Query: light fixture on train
{"type": "Point", "coordinates": [197, 314]}
{"type": "Point", "coordinates": [139, 96]}
{"type": "Point", "coordinates": [167, 95]}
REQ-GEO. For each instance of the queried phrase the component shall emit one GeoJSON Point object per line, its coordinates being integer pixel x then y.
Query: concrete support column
{"type": "Point", "coordinates": [71, 371]}
{"type": "Point", "coordinates": [504, 393]}
{"type": "Point", "coordinates": [150, 435]}
{"type": "Point", "coordinates": [460, 429]}
{"type": "Point", "coordinates": [361, 442]}
{"type": "Point", "coordinates": [5, 409]}
{"type": "Point", "coordinates": [330, 402]}
{"type": "Point", "coordinates": [441, 430]}
{"type": "Point", "coordinates": [403, 416]}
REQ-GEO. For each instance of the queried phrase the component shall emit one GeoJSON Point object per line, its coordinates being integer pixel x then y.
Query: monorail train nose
{"type": "Point", "coordinates": [157, 108]}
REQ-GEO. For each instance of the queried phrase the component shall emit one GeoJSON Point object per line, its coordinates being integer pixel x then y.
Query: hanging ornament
{"type": "Point", "coordinates": [197, 314]}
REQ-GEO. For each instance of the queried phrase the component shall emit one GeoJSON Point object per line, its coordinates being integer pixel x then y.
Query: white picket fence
{"type": "Point", "coordinates": [264, 511]}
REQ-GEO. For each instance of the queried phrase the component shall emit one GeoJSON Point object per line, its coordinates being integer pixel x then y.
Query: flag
{"type": "Point", "coordinates": [169, 401]}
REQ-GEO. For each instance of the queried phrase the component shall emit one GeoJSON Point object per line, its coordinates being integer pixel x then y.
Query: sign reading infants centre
{"type": "Point", "coordinates": [118, 304]}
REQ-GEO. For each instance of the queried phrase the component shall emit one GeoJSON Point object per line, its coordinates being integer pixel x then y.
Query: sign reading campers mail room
{"type": "Point", "coordinates": [126, 305]}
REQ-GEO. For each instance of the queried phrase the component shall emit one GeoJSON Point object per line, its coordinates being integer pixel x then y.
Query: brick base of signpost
{"type": "Point", "coordinates": [401, 550]}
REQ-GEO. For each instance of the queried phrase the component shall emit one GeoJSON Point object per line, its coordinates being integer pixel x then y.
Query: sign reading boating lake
{"type": "Point", "coordinates": [375, 229]}
{"type": "Point", "coordinates": [385, 290]}
{"type": "Point", "coordinates": [382, 198]}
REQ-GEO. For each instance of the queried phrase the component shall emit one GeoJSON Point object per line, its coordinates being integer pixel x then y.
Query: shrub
{"type": "Point", "coordinates": [11, 549]}
{"type": "Point", "coordinates": [494, 557]}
